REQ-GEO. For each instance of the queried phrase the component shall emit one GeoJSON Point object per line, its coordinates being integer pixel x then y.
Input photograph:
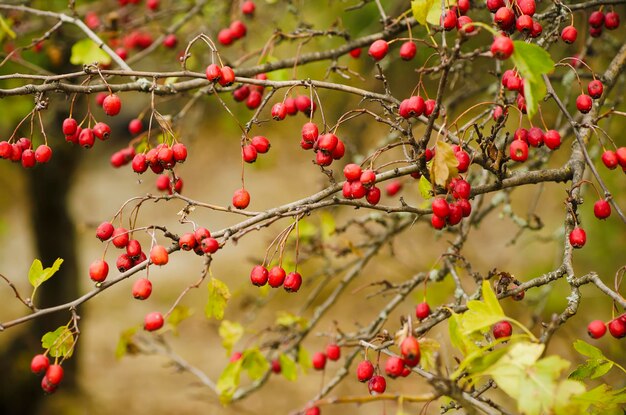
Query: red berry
{"type": "Point", "coordinates": [209, 245]}
{"type": "Point", "coordinates": [86, 138]}
{"type": "Point", "coordinates": [595, 31]}
{"type": "Point", "coordinates": [339, 151]}
{"type": "Point", "coordinates": [152, 4]}
{"type": "Point", "coordinates": [133, 249]}
{"type": "Point", "coordinates": [318, 361]}
{"type": "Point", "coordinates": [394, 367]}
{"type": "Point", "coordinates": [437, 222]}
{"type": "Point", "coordinates": [378, 49]}
{"type": "Point", "coordinates": [248, 153]}
{"type": "Point", "coordinates": [187, 241]}
{"type": "Point", "coordinates": [120, 237]}
{"type": "Point", "coordinates": [275, 365]}
{"type": "Point", "coordinates": [527, 6]}
{"type": "Point", "coordinates": [352, 172]}
{"type": "Point", "coordinates": [364, 371]}
{"type": "Point", "coordinates": [259, 275]}
{"type": "Point", "coordinates": [241, 199]}
{"type": "Point", "coordinates": [124, 263]}
{"type": "Point", "coordinates": [102, 131]}
{"type": "Point", "coordinates": [524, 24]}
{"type": "Point", "coordinates": [179, 150]}
{"type": "Point", "coordinates": [112, 105]}
{"type": "Point", "coordinates": [617, 328]}
{"type": "Point", "coordinates": [504, 18]}
{"type": "Point", "coordinates": [104, 231]}
{"type": "Point", "coordinates": [584, 103]}
{"type": "Point", "coordinates": [327, 142]}
{"type": "Point", "coordinates": [494, 5]}
{"type": "Point", "coordinates": [261, 144]}
{"type": "Point", "coordinates": [235, 357]}
{"type": "Point", "coordinates": [377, 385]}
{"type": "Point", "coordinates": [393, 187]}
{"type": "Point", "coordinates": [98, 270]}
{"type": "Point", "coordinates": [276, 277]}
{"type": "Point", "coordinates": [464, 25]}
{"type": "Point", "coordinates": [279, 111]}
{"type": "Point", "coordinates": [227, 76]}
{"type": "Point", "coordinates": [170, 41]}
{"type": "Point", "coordinates": [159, 255]}
{"type": "Point", "coordinates": [290, 105]}
{"type": "Point", "coordinates": [536, 30]}
{"type": "Point", "coordinates": [609, 158]}
{"type": "Point", "coordinates": [225, 37]}
{"type": "Point", "coordinates": [304, 104]}
{"type": "Point", "coordinates": [313, 410]}
{"type": "Point", "coordinates": [611, 20]}
{"type": "Point", "coordinates": [39, 364]}
{"type": "Point", "coordinates": [248, 7]}
{"type": "Point", "coordinates": [201, 233]}
{"type": "Point", "coordinates": [237, 29]}
{"type": "Point", "coordinates": [373, 195]}
{"type": "Point", "coordinates": [153, 321]}
{"type": "Point", "coordinates": [142, 288]}
{"type": "Point", "coordinates": [422, 310]}
{"type": "Point", "coordinates": [355, 53]}
{"type": "Point", "coordinates": [461, 190]}
{"type": "Point", "coordinates": [293, 281]}
{"type": "Point", "coordinates": [333, 352]}
{"type": "Point", "coordinates": [69, 126]}
{"type": "Point", "coordinates": [596, 19]}
{"type": "Point", "coordinates": [464, 160]}
{"type": "Point", "coordinates": [502, 47]}
{"type": "Point", "coordinates": [577, 237]}
{"type": "Point", "coordinates": [621, 156]}
{"type": "Point", "coordinates": [163, 183]}
{"type": "Point", "coordinates": [596, 329]}
{"type": "Point", "coordinates": [254, 100]}
{"type": "Point", "coordinates": [463, 5]}
{"type": "Point", "coordinates": [569, 34]}
{"type": "Point", "coordinates": [122, 53]}
{"type": "Point", "coordinates": [595, 89]}
{"type": "Point", "coordinates": [502, 329]}
{"type": "Point", "coordinates": [410, 350]}
{"type": "Point", "coordinates": [214, 72]}
{"type": "Point", "coordinates": [54, 374]}
{"type": "Point", "coordinates": [135, 126]}
{"type": "Point", "coordinates": [43, 154]}
{"type": "Point", "coordinates": [408, 50]}
{"type": "Point", "coordinates": [602, 209]}
{"type": "Point", "coordinates": [47, 386]}
{"type": "Point", "coordinates": [552, 139]}
{"type": "Point", "coordinates": [535, 137]}
{"type": "Point", "coordinates": [309, 132]}
{"type": "Point", "coordinates": [440, 207]}
{"type": "Point", "coordinates": [448, 20]}
{"type": "Point", "coordinates": [367, 178]}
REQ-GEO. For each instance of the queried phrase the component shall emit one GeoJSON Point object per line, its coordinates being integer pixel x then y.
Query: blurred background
{"type": "Point", "coordinates": [52, 211]}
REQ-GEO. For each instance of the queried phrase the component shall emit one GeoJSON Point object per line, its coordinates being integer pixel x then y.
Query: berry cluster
{"type": "Point", "coordinates": [617, 328]}
{"type": "Point", "coordinates": [276, 277]}
{"type": "Point", "coordinates": [360, 183]}
{"type": "Point", "coordinates": [53, 374]}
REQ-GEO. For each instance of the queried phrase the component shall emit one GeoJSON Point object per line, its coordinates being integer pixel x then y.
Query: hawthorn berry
{"type": "Point", "coordinates": [595, 89]}
{"type": "Point", "coordinates": [170, 41]}
{"type": "Point", "coordinates": [292, 282]}
{"type": "Point", "coordinates": [352, 172]}
{"type": "Point", "coordinates": [238, 29]}
{"type": "Point", "coordinates": [378, 49]}
{"type": "Point", "coordinates": [112, 105]}
{"type": "Point", "coordinates": [275, 366]}
{"type": "Point", "coordinates": [440, 207]}
{"type": "Point", "coordinates": [261, 144]}
{"type": "Point", "coordinates": [410, 350]}
{"type": "Point", "coordinates": [552, 139]}
{"type": "Point", "coordinates": [584, 103]}
{"type": "Point", "coordinates": [159, 255]}
{"type": "Point", "coordinates": [259, 275]}
{"type": "Point", "coordinates": [596, 329]}
{"type": "Point", "coordinates": [214, 72]}
{"type": "Point", "coordinates": [135, 126]}
{"type": "Point", "coordinates": [254, 100]}
{"type": "Point", "coordinates": [313, 410]}
{"type": "Point", "coordinates": [502, 329]}
{"type": "Point", "coordinates": [276, 277]}
{"type": "Point", "coordinates": [408, 50]}
{"type": "Point", "coordinates": [98, 270]}
{"type": "Point", "coordinates": [461, 189]}
{"type": "Point", "coordinates": [187, 241]}
{"type": "Point", "coordinates": [227, 76]}
{"type": "Point", "coordinates": [241, 198]}
{"type": "Point", "coordinates": [163, 183]}
{"type": "Point", "coordinates": [464, 24]}
{"type": "Point", "coordinates": [502, 47]}
{"type": "Point", "coordinates": [437, 222]}
{"type": "Point", "coordinates": [535, 137]}
{"type": "Point", "coordinates": [39, 364]}
{"type": "Point", "coordinates": [290, 106]}
{"type": "Point", "coordinates": [448, 20]}
{"type": "Point", "coordinates": [318, 361]}
{"type": "Point", "coordinates": [133, 249]}
{"type": "Point", "coordinates": [47, 386]}
{"type": "Point", "coordinates": [142, 288]}
{"type": "Point", "coordinates": [179, 151]}
{"type": "Point", "coordinates": [621, 156]}
{"type": "Point", "coordinates": [86, 138]}
{"type": "Point", "coordinates": [596, 19]}
{"type": "Point", "coordinates": [494, 5]}
{"type": "Point", "coordinates": [394, 366]}
{"type": "Point", "coordinates": [569, 34]}
{"type": "Point", "coordinates": [248, 153]}
{"type": "Point", "coordinates": [102, 131]}
{"type": "Point", "coordinates": [54, 374]}
{"type": "Point", "coordinates": [422, 310]}
{"type": "Point", "coordinates": [504, 18]}
{"type": "Point", "coordinates": [310, 132]}
{"type": "Point", "coordinates": [609, 159]}
{"type": "Point", "coordinates": [602, 209]}
{"type": "Point", "coordinates": [248, 8]}
{"type": "Point", "coordinates": [524, 24]}
{"type": "Point", "coordinates": [279, 111]}
{"type": "Point", "coordinates": [373, 195]}
{"type": "Point", "coordinates": [611, 20]}
{"type": "Point", "coordinates": [120, 237]}
{"type": "Point", "coordinates": [577, 237]}
{"type": "Point", "coordinates": [355, 53]}
{"type": "Point", "coordinates": [527, 6]}
{"type": "Point", "coordinates": [364, 371]}
{"type": "Point", "coordinates": [333, 352]}
{"type": "Point", "coordinates": [393, 187]}
{"type": "Point", "coordinates": [617, 328]}
{"type": "Point", "coordinates": [464, 160]}
{"type": "Point", "coordinates": [70, 125]}
{"type": "Point", "coordinates": [153, 321]}
{"type": "Point", "coordinates": [377, 385]}
{"type": "Point", "coordinates": [225, 37]}
{"type": "Point", "coordinates": [124, 263]}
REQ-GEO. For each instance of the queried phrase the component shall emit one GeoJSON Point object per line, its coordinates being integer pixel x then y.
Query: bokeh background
{"type": "Point", "coordinates": [53, 210]}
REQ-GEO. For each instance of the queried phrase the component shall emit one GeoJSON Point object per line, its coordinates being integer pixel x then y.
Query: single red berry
{"type": "Point", "coordinates": [339, 150]}
{"type": "Point", "coordinates": [209, 245]}
{"type": "Point", "coordinates": [152, 4]}
{"type": "Point", "coordinates": [521, 103]}
{"type": "Point", "coordinates": [241, 198]}
{"type": "Point", "coordinates": [393, 187]}
{"type": "Point", "coordinates": [102, 131]}
{"type": "Point", "coordinates": [464, 160]}
{"type": "Point", "coordinates": [464, 25]}
{"type": "Point", "coordinates": [261, 144]}
{"type": "Point", "coordinates": [248, 153]}
{"type": "Point", "coordinates": [448, 20]}
{"type": "Point", "coordinates": [422, 310]}
{"type": "Point", "coordinates": [124, 263]}
{"type": "Point", "coordinates": [502, 47]}
{"type": "Point", "coordinates": [524, 24]}
{"type": "Point", "coordinates": [279, 111]}
{"type": "Point", "coordinates": [318, 361]}
{"type": "Point", "coordinates": [39, 364]}
{"type": "Point", "coordinates": [104, 231]}
{"type": "Point", "coordinates": [609, 158]}
{"type": "Point", "coordinates": [367, 178]}
{"type": "Point", "coordinates": [494, 5]}
{"type": "Point", "coordinates": [47, 386]}
{"type": "Point", "coordinates": [254, 100]}
{"type": "Point", "coordinates": [293, 281]}
{"type": "Point", "coordinates": [577, 237]}
{"type": "Point", "coordinates": [214, 72]}
{"type": "Point", "coordinates": [170, 41]}
{"type": "Point", "coordinates": [408, 50]}
{"type": "Point", "coordinates": [163, 183]}
{"type": "Point", "coordinates": [248, 7]}
{"type": "Point", "coordinates": [120, 237]}
{"type": "Point", "coordinates": [290, 105]}
{"type": "Point", "coordinates": [133, 249]}
{"type": "Point", "coordinates": [373, 195]}
{"type": "Point", "coordinates": [596, 19]}
{"type": "Point", "coordinates": [463, 6]}
{"type": "Point", "coordinates": [187, 241]}
{"type": "Point", "coordinates": [259, 275]}
{"type": "Point", "coordinates": [142, 288]}
{"type": "Point", "coordinates": [153, 321]}
{"type": "Point", "coordinates": [595, 89]}
{"type": "Point", "coordinates": [536, 30]}
{"type": "Point", "coordinates": [225, 37]}
{"type": "Point", "coordinates": [502, 329]}
{"type": "Point", "coordinates": [377, 385]}
{"type": "Point", "coordinates": [333, 352]}
{"type": "Point", "coordinates": [313, 410]}
{"type": "Point", "coordinates": [235, 357]}
{"type": "Point", "coordinates": [410, 350]}
{"type": "Point", "coordinates": [227, 76]}
{"type": "Point", "coordinates": [440, 207]}
{"type": "Point", "coordinates": [621, 156]}
{"type": "Point", "coordinates": [611, 20]}
{"type": "Point", "coordinates": [504, 18]}
{"type": "Point", "coordinates": [535, 137]}
{"type": "Point", "coordinates": [602, 209]}
{"type": "Point", "coordinates": [86, 138]}
{"type": "Point", "coordinates": [122, 53]}
{"type": "Point", "coordinates": [378, 49]}
{"type": "Point", "coordinates": [617, 328]}
{"type": "Point", "coordinates": [569, 34]}
{"type": "Point", "coordinates": [437, 222]}
{"type": "Point", "coordinates": [394, 366]}
{"type": "Point", "coordinates": [595, 31]}
{"type": "Point", "coordinates": [201, 233]}
{"type": "Point", "coordinates": [135, 126]}
{"type": "Point", "coordinates": [465, 206]}
{"type": "Point", "coordinates": [238, 29]}
{"type": "Point", "coordinates": [461, 189]}
{"type": "Point", "coordinates": [352, 172]}
{"type": "Point", "coordinates": [305, 105]}
{"type": "Point", "coordinates": [43, 154]}
{"type": "Point", "coordinates": [364, 371]}
{"type": "Point", "coordinates": [429, 107]}
{"type": "Point", "coordinates": [355, 53]}
{"type": "Point", "coordinates": [54, 374]}
{"type": "Point", "coordinates": [69, 126]}
{"type": "Point", "coordinates": [552, 139]}
{"type": "Point", "coordinates": [112, 105]}
{"type": "Point", "coordinates": [275, 365]}
{"type": "Point", "coordinates": [310, 132]}
{"type": "Point", "coordinates": [327, 142]}
{"type": "Point", "coordinates": [98, 270]}
{"type": "Point", "coordinates": [276, 277]}
{"type": "Point", "coordinates": [159, 255]}
{"type": "Point", "coordinates": [596, 329]}
{"type": "Point", "coordinates": [584, 103]}
{"type": "Point", "coordinates": [179, 150]}
{"type": "Point", "coordinates": [527, 6]}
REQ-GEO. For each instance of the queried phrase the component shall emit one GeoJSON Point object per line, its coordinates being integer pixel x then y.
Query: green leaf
{"type": "Point", "coordinates": [60, 342]}
{"type": "Point", "coordinates": [425, 188]}
{"type": "Point", "coordinates": [533, 93]}
{"type": "Point", "coordinates": [482, 314]}
{"type": "Point", "coordinates": [462, 342]}
{"type": "Point", "coordinates": [178, 314]}
{"type": "Point", "coordinates": [602, 400]}
{"type": "Point", "coordinates": [255, 363]}
{"type": "Point", "coordinates": [588, 350]}
{"type": "Point", "coordinates": [532, 61]}
{"type": "Point", "coordinates": [37, 275]}
{"type": "Point", "coordinates": [444, 165]}
{"type": "Point", "coordinates": [327, 222]}
{"type": "Point", "coordinates": [231, 333]}
{"type": "Point", "coordinates": [287, 319]}
{"type": "Point", "coordinates": [219, 294]}
{"type": "Point", "coordinates": [86, 52]}
{"type": "Point", "coordinates": [304, 359]}
{"type": "Point", "coordinates": [598, 364]}
{"type": "Point", "coordinates": [228, 382]}
{"type": "Point", "coordinates": [428, 11]}
{"type": "Point", "coordinates": [126, 344]}
{"type": "Point", "coordinates": [287, 367]}
{"type": "Point", "coordinates": [428, 349]}
{"type": "Point", "coordinates": [563, 402]}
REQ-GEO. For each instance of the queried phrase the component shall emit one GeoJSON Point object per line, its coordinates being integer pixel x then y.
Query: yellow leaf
{"type": "Point", "coordinates": [444, 165]}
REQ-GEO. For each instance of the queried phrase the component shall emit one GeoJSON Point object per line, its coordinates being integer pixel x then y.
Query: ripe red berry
{"type": "Point", "coordinates": [364, 371]}
{"type": "Point", "coordinates": [153, 321]}
{"type": "Point", "coordinates": [596, 19]}
{"type": "Point", "coordinates": [98, 270]}
{"type": "Point", "coordinates": [595, 89]}
{"type": "Point", "coordinates": [410, 350]}
{"type": "Point", "coordinates": [248, 153]}
{"type": "Point", "coordinates": [310, 132]}
{"type": "Point", "coordinates": [276, 277]}
{"type": "Point", "coordinates": [535, 137]}
{"type": "Point", "coordinates": [355, 53]}
{"type": "Point", "coordinates": [527, 6]}
{"type": "Point", "coordinates": [393, 187]}
{"type": "Point", "coordinates": [609, 158]}
{"type": "Point", "coordinates": [39, 364]}
{"type": "Point", "coordinates": [225, 37]}
{"type": "Point", "coordinates": [494, 5]}
{"type": "Point", "coordinates": [394, 367]}
{"type": "Point", "coordinates": [259, 275]}
{"type": "Point", "coordinates": [621, 156]}
{"type": "Point", "coordinates": [596, 329]}
{"type": "Point", "coordinates": [43, 154]}
{"type": "Point", "coordinates": [440, 207]}
{"type": "Point", "coordinates": [254, 100]}
{"type": "Point", "coordinates": [437, 222]}
{"type": "Point", "coordinates": [261, 144]}
{"type": "Point", "coordinates": [293, 281]}
{"type": "Point", "coordinates": [448, 20]}
{"type": "Point", "coordinates": [170, 41]}
{"type": "Point", "coordinates": [86, 138]}
{"type": "Point", "coordinates": [152, 4]}
{"type": "Point", "coordinates": [120, 237]}
{"type": "Point", "coordinates": [104, 231]}
{"type": "Point", "coordinates": [209, 245]}
{"type": "Point", "coordinates": [135, 126]}
{"type": "Point", "coordinates": [577, 237]}
{"type": "Point", "coordinates": [133, 249]}
{"type": "Point", "coordinates": [352, 172]}
{"type": "Point", "coordinates": [461, 189]}
{"type": "Point", "coordinates": [463, 6]}
{"type": "Point", "coordinates": [327, 142]}
{"type": "Point", "coordinates": [275, 365]}
{"type": "Point", "coordinates": [502, 47]}
{"type": "Point", "coordinates": [305, 105]}
{"type": "Point", "coordinates": [422, 310]}
{"type": "Point", "coordinates": [241, 198]}
{"type": "Point", "coordinates": [339, 150]}
{"type": "Point", "coordinates": [504, 18]}
{"type": "Point", "coordinates": [69, 126]}
{"type": "Point", "coordinates": [159, 255]}
{"type": "Point", "coordinates": [602, 209]}
{"type": "Point", "coordinates": [464, 25]}
{"type": "Point", "coordinates": [569, 34]}
{"type": "Point", "coordinates": [47, 386]}
{"type": "Point", "coordinates": [333, 352]}
{"type": "Point", "coordinates": [536, 30]}
{"type": "Point", "coordinates": [142, 288]}
{"type": "Point", "coordinates": [179, 150]}
{"type": "Point", "coordinates": [584, 103]}
{"type": "Point", "coordinates": [238, 29]}
{"type": "Point", "coordinates": [227, 76]}
{"type": "Point", "coordinates": [502, 329]}
{"type": "Point", "coordinates": [378, 49]}
{"type": "Point", "coordinates": [595, 31]}
{"type": "Point", "coordinates": [373, 195]}
{"type": "Point", "coordinates": [367, 178]}
{"type": "Point", "coordinates": [318, 361]}
{"type": "Point", "coordinates": [290, 105]}
{"type": "Point", "coordinates": [124, 263]}
{"type": "Point", "coordinates": [617, 328]}
{"type": "Point", "coordinates": [279, 111]}
{"type": "Point", "coordinates": [408, 50]}
{"type": "Point", "coordinates": [611, 20]}
{"type": "Point", "coordinates": [524, 24]}
{"type": "Point", "coordinates": [187, 241]}
{"type": "Point", "coordinates": [313, 410]}
{"type": "Point", "coordinates": [377, 385]}
{"type": "Point", "coordinates": [464, 160]}
{"type": "Point", "coordinates": [163, 183]}
{"type": "Point", "coordinates": [112, 105]}
{"type": "Point", "coordinates": [214, 72]}
{"type": "Point", "coordinates": [248, 7]}
{"type": "Point", "coordinates": [54, 374]}
{"type": "Point", "coordinates": [102, 131]}
{"type": "Point", "coordinates": [552, 139]}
